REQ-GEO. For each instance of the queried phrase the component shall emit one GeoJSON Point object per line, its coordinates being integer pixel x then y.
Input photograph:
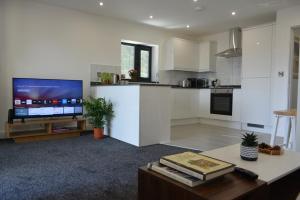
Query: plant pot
{"type": "Point", "coordinates": [249, 153]}
{"type": "Point", "coordinates": [134, 78]}
{"type": "Point", "coordinates": [98, 133]}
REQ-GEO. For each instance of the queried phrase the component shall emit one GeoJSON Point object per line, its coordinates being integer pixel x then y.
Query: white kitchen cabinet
{"type": "Point", "coordinates": [204, 103]}
{"type": "Point", "coordinates": [207, 56]}
{"type": "Point", "coordinates": [255, 104]}
{"type": "Point", "coordinates": [236, 105]}
{"type": "Point", "coordinates": [185, 103]}
{"type": "Point", "coordinates": [182, 55]}
{"type": "Point", "coordinates": [257, 52]}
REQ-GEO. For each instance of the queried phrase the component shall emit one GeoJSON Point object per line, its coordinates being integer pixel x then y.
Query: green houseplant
{"type": "Point", "coordinates": [249, 147]}
{"type": "Point", "coordinates": [98, 112]}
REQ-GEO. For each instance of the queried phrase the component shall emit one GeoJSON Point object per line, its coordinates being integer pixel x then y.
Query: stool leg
{"type": "Point", "coordinates": [292, 138]}
{"type": "Point", "coordinates": [288, 137]}
{"type": "Point", "coordinates": [273, 136]}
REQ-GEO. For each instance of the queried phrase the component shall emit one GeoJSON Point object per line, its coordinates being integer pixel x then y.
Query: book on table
{"type": "Point", "coordinates": [175, 174]}
{"type": "Point", "coordinates": [199, 166]}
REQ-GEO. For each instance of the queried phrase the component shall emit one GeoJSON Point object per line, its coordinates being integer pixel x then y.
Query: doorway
{"type": "Point", "coordinates": [295, 69]}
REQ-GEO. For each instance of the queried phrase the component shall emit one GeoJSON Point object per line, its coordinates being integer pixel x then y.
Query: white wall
{"type": "Point", "coordinates": [286, 19]}
{"type": "Point", "coordinates": [46, 41]}
{"type": "Point", "coordinates": [228, 70]}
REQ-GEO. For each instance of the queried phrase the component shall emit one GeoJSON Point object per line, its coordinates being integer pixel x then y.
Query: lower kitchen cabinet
{"type": "Point", "coordinates": [185, 103]}
{"type": "Point", "coordinates": [204, 103]}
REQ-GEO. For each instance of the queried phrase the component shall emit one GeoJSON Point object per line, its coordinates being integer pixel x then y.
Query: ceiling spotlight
{"type": "Point", "coordinates": [101, 3]}
{"type": "Point", "coordinates": [187, 26]}
{"type": "Point", "coordinates": [233, 13]}
{"type": "Point", "coordinates": [195, 1]}
{"type": "Point", "coordinates": [151, 16]}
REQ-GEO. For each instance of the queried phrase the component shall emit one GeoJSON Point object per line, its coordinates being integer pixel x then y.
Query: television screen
{"type": "Point", "coordinates": [46, 97]}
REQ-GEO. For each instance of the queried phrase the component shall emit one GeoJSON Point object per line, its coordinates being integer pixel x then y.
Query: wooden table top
{"type": "Point", "coordinates": [288, 113]}
{"type": "Point", "coordinates": [230, 186]}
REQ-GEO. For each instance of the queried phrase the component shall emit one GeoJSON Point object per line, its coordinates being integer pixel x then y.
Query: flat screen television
{"type": "Point", "coordinates": [33, 98]}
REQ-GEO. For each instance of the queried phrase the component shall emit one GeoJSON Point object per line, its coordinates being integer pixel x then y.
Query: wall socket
{"type": "Point", "coordinates": [281, 74]}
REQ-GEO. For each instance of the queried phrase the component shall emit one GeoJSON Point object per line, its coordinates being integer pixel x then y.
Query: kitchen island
{"type": "Point", "coordinates": [142, 112]}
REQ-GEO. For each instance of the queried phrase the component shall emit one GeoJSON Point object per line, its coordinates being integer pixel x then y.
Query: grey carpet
{"type": "Point", "coordinates": [77, 168]}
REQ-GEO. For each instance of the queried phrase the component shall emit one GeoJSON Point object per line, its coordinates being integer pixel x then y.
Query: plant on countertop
{"type": "Point", "coordinates": [106, 78]}
{"type": "Point", "coordinates": [98, 112]}
{"type": "Point", "coordinates": [249, 147]}
{"type": "Point", "coordinates": [133, 73]}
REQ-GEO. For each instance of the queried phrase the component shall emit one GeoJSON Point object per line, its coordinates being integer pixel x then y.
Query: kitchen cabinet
{"type": "Point", "coordinates": [256, 75]}
{"type": "Point", "coordinates": [257, 52]}
{"type": "Point", "coordinates": [255, 104]}
{"type": "Point", "coordinates": [182, 55]}
{"type": "Point", "coordinates": [207, 56]}
{"type": "Point", "coordinates": [204, 103]}
{"type": "Point", "coordinates": [236, 105]}
{"type": "Point", "coordinates": [185, 103]}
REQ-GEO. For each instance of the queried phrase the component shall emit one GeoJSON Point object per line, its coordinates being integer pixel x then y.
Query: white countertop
{"type": "Point", "coordinates": [269, 168]}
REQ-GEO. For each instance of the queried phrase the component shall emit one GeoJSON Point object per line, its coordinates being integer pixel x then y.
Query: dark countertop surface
{"type": "Point", "coordinates": [131, 84]}
{"type": "Point", "coordinates": [219, 87]}
{"type": "Point", "coordinates": [165, 85]}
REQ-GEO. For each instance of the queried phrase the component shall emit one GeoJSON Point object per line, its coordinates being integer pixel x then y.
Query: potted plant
{"type": "Point", "coordinates": [133, 74]}
{"type": "Point", "coordinates": [249, 147]}
{"type": "Point", "coordinates": [98, 111]}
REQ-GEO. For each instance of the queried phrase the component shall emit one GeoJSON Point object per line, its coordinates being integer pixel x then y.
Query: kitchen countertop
{"type": "Point", "coordinates": [219, 87]}
{"type": "Point", "coordinates": [93, 84]}
{"type": "Point", "coordinates": [166, 85]}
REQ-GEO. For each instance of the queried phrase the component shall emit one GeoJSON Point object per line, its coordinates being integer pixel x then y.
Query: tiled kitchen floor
{"type": "Point", "coordinates": [206, 137]}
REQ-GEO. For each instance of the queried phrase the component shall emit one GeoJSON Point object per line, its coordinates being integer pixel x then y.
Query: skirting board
{"type": "Point", "coordinates": [213, 122]}
{"type": "Point", "coordinates": [221, 123]}
{"type": "Point", "coordinates": [179, 122]}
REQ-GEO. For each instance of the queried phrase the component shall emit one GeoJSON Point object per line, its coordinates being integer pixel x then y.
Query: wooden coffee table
{"type": "Point", "coordinates": [279, 179]}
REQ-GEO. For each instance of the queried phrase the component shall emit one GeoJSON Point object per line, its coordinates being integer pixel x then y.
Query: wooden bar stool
{"type": "Point", "coordinates": [288, 140]}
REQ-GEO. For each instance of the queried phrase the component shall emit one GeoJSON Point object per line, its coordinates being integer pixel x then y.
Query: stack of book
{"type": "Point", "coordinates": [190, 168]}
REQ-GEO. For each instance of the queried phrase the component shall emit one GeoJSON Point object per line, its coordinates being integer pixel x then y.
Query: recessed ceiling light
{"type": "Point", "coordinates": [151, 16]}
{"type": "Point", "coordinates": [101, 3]}
{"type": "Point", "coordinates": [233, 13]}
{"type": "Point", "coordinates": [188, 26]}
{"type": "Point", "coordinates": [195, 0]}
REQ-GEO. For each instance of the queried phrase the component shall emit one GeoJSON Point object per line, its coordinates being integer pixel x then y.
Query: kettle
{"type": "Point", "coordinates": [186, 83]}
{"type": "Point", "coordinates": [115, 79]}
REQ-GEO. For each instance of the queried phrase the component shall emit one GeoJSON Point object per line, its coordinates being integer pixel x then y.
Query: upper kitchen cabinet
{"type": "Point", "coordinates": [207, 51]}
{"type": "Point", "coordinates": [182, 55]}
{"type": "Point", "coordinates": [257, 52]}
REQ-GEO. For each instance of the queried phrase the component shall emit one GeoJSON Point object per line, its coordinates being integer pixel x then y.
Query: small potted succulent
{"type": "Point", "coordinates": [249, 147]}
{"type": "Point", "coordinates": [98, 113]}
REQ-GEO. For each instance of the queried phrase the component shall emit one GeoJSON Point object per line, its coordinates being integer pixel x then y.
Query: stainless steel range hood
{"type": "Point", "coordinates": [235, 44]}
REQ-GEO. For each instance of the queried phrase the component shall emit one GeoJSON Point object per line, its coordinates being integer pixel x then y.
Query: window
{"type": "Point", "coordinates": [138, 57]}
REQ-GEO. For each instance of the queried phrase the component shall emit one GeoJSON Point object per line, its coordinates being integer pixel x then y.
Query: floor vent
{"type": "Point", "coordinates": [256, 126]}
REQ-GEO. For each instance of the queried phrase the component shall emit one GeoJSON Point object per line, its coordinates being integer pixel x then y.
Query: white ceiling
{"type": "Point", "coordinates": [176, 14]}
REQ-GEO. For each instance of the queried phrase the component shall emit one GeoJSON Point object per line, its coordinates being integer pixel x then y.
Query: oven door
{"type": "Point", "coordinates": [221, 103]}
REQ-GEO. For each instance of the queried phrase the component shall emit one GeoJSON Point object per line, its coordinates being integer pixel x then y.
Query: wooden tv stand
{"type": "Point", "coordinates": [17, 131]}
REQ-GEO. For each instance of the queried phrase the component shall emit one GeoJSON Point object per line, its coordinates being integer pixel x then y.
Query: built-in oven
{"type": "Point", "coordinates": [221, 101]}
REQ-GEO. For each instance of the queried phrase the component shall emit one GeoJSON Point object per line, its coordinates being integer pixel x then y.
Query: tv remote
{"type": "Point", "coordinates": [246, 173]}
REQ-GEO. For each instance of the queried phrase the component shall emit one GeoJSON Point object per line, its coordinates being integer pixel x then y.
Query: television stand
{"type": "Point", "coordinates": [19, 131]}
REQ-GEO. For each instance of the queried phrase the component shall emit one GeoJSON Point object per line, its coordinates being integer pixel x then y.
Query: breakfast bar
{"type": "Point", "coordinates": [142, 112]}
